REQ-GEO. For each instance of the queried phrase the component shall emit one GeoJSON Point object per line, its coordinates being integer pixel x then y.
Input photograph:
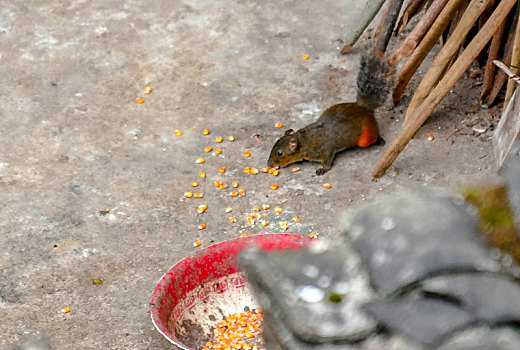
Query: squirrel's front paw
{"type": "Point", "coordinates": [321, 171]}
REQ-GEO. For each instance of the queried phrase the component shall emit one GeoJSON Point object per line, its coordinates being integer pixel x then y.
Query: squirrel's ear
{"type": "Point", "coordinates": [289, 132]}
{"type": "Point", "coordinates": [293, 143]}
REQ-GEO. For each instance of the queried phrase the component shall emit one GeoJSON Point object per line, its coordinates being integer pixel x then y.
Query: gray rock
{"type": "Point", "coordinates": [316, 294]}
{"type": "Point", "coordinates": [484, 339]}
{"type": "Point", "coordinates": [492, 299]}
{"type": "Point", "coordinates": [427, 320]}
{"type": "Point", "coordinates": [404, 238]}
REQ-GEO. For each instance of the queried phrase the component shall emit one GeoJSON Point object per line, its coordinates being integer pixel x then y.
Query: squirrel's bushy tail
{"type": "Point", "coordinates": [373, 81]}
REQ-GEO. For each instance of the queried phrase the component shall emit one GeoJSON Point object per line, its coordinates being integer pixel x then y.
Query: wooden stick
{"type": "Point", "coordinates": [413, 7]}
{"type": "Point", "coordinates": [501, 77]}
{"type": "Point", "coordinates": [426, 108]}
{"type": "Point", "coordinates": [489, 72]}
{"type": "Point", "coordinates": [418, 32]}
{"type": "Point", "coordinates": [414, 61]}
{"type": "Point", "coordinates": [381, 22]}
{"type": "Point", "coordinates": [514, 77]}
{"type": "Point", "coordinates": [515, 61]}
{"type": "Point", "coordinates": [394, 7]}
{"type": "Point", "coordinates": [475, 8]}
{"type": "Point", "coordinates": [360, 20]}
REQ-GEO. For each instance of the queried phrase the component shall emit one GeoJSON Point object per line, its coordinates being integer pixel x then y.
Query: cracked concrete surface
{"type": "Point", "coordinates": [92, 183]}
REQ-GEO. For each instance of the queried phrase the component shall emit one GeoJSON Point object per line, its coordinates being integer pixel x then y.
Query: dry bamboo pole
{"type": "Point", "coordinates": [489, 72]}
{"type": "Point", "coordinates": [360, 20]}
{"type": "Point", "coordinates": [427, 107]}
{"type": "Point", "coordinates": [471, 15]}
{"type": "Point", "coordinates": [414, 61]}
{"type": "Point", "coordinates": [419, 31]}
{"type": "Point", "coordinates": [501, 77]}
{"type": "Point", "coordinates": [413, 7]}
{"type": "Point", "coordinates": [381, 22]}
{"type": "Point", "coordinates": [515, 61]}
{"type": "Point", "coordinates": [394, 7]}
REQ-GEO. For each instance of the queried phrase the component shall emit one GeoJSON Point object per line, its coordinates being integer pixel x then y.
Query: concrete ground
{"type": "Point", "coordinates": [92, 183]}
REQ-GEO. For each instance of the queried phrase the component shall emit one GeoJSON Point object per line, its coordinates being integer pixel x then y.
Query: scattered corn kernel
{"type": "Point", "coordinates": [242, 192]}
{"type": "Point", "coordinates": [202, 175]}
{"type": "Point", "coordinates": [295, 169]}
{"type": "Point", "coordinates": [65, 310]}
{"type": "Point", "coordinates": [201, 226]}
{"type": "Point", "coordinates": [313, 235]}
{"type": "Point", "coordinates": [278, 125]}
{"type": "Point", "coordinates": [296, 218]}
{"type": "Point", "coordinates": [243, 234]}
{"type": "Point", "coordinates": [194, 184]}
{"type": "Point", "coordinates": [218, 151]}
{"type": "Point", "coordinates": [147, 90]}
{"type": "Point", "coordinates": [278, 210]}
{"type": "Point", "coordinates": [177, 132]}
{"type": "Point", "coordinates": [206, 131]}
{"type": "Point", "coordinates": [188, 194]}
{"type": "Point", "coordinates": [198, 195]}
{"type": "Point", "coordinates": [305, 57]}
{"type": "Point", "coordinates": [327, 185]}
{"type": "Point", "coordinates": [217, 183]}
{"type": "Point", "coordinates": [202, 208]}
{"type": "Point", "coordinates": [265, 223]}
{"type": "Point", "coordinates": [223, 186]}
{"type": "Point", "coordinates": [200, 160]}
{"type": "Point", "coordinates": [139, 100]}
{"type": "Point", "coordinates": [274, 186]}
{"type": "Point", "coordinates": [431, 137]}
{"type": "Point", "coordinates": [233, 193]}
{"type": "Point", "coordinates": [219, 139]}
{"type": "Point", "coordinates": [234, 184]}
{"type": "Point", "coordinates": [264, 170]}
{"type": "Point", "coordinates": [197, 243]}
{"type": "Point", "coordinates": [256, 208]}
{"type": "Point", "coordinates": [271, 170]}
{"type": "Point", "coordinates": [229, 210]}
{"type": "Point", "coordinates": [247, 170]}
{"type": "Point", "coordinates": [284, 200]}
{"type": "Point", "coordinates": [254, 171]}
{"type": "Point", "coordinates": [231, 138]}
{"type": "Point", "coordinates": [232, 219]}
{"type": "Point", "coordinates": [284, 225]}
{"type": "Point", "coordinates": [208, 149]}
{"type": "Point", "coordinates": [222, 170]}
{"type": "Point", "coordinates": [247, 154]}
{"type": "Point", "coordinates": [265, 206]}
{"type": "Point", "coordinates": [276, 172]}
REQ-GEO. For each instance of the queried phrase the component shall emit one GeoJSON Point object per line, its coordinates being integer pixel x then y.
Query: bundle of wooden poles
{"type": "Point", "coordinates": [469, 30]}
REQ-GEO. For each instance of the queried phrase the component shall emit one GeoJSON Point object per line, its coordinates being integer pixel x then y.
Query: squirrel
{"type": "Point", "coordinates": [341, 126]}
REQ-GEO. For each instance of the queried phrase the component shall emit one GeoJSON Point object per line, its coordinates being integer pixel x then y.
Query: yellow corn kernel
{"type": "Point", "coordinates": [278, 125]}
{"type": "Point", "coordinates": [327, 185]}
{"type": "Point", "coordinates": [266, 206]}
{"type": "Point", "coordinates": [278, 210]}
{"type": "Point", "coordinates": [217, 183]}
{"type": "Point", "coordinates": [271, 170]}
{"type": "Point", "coordinates": [147, 90]}
{"type": "Point", "coordinates": [234, 184]}
{"type": "Point", "coordinates": [208, 149]}
{"type": "Point", "coordinates": [223, 186]}
{"type": "Point", "coordinates": [233, 193]}
{"type": "Point", "coordinates": [202, 175]}
{"type": "Point", "coordinates": [247, 154]}
{"type": "Point", "coordinates": [139, 100]}
{"type": "Point", "coordinates": [201, 226]}
{"type": "Point", "coordinates": [218, 151]}
{"type": "Point", "coordinates": [202, 208]}
{"type": "Point", "coordinates": [313, 235]}
{"type": "Point", "coordinates": [200, 160]}
{"type": "Point", "coordinates": [197, 243]}
{"type": "Point", "coordinates": [264, 170]}
{"type": "Point", "coordinates": [256, 208]}
{"type": "Point", "coordinates": [231, 138]}
{"type": "Point", "coordinates": [232, 219]}
{"type": "Point", "coordinates": [194, 184]}
{"type": "Point", "coordinates": [198, 195]}
{"type": "Point", "coordinates": [65, 310]}
{"type": "Point", "coordinates": [276, 172]}
{"type": "Point", "coordinates": [296, 218]}
{"type": "Point", "coordinates": [265, 223]}
{"type": "Point", "coordinates": [274, 186]}
{"type": "Point", "coordinates": [295, 169]}
{"type": "Point", "coordinates": [219, 139]}
{"type": "Point", "coordinates": [431, 137]}
{"type": "Point", "coordinates": [222, 170]}
{"type": "Point", "coordinates": [243, 234]}
{"type": "Point", "coordinates": [188, 194]}
{"type": "Point", "coordinates": [247, 170]}
{"type": "Point", "coordinates": [254, 171]}
{"type": "Point", "coordinates": [177, 132]}
{"type": "Point", "coordinates": [242, 192]}
{"type": "Point", "coordinates": [206, 131]}
{"type": "Point", "coordinates": [229, 210]}
{"type": "Point", "coordinates": [305, 57]}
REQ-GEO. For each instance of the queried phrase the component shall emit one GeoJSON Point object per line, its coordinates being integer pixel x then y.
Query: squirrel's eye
{"type": "Point", "coordinates": [280, 152]}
